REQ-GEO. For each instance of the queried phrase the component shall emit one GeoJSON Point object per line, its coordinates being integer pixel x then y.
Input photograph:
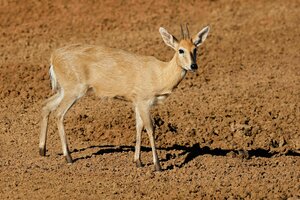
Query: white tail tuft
{"type": "Point", "coordinates": [53, 78]}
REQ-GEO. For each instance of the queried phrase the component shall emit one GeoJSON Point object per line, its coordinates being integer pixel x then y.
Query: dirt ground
{"type": "Point", "coordinates": [229, 131]}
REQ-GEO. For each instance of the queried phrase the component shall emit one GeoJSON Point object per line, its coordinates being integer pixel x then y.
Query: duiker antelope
{"type": "Point", "coordinates": [143, 80]}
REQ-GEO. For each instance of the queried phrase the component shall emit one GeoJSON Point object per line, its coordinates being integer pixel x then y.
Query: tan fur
{"type": "Point", "coordinates": [111, 72]}
{"type": "Point", "coordinates": [143, 80]}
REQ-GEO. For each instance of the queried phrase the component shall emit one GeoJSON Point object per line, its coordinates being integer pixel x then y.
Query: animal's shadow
{"type": "Point", "coordinates": [190, 153]}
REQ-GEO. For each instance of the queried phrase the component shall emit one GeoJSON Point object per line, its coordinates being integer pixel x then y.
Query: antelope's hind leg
{"type": "Point", "coordinates": [70, 97]}
{"type": "Point", "coordinates": [65, 105]}
{"type": "Point", "coordinates": [50, 105]}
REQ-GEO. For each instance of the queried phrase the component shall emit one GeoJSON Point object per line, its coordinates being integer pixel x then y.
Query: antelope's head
{"type": "Point", "coordinates": [186, 48]}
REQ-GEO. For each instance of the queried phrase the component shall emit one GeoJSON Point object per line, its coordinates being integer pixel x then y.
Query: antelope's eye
{"type": "Point", "coordinates": [181, 51]}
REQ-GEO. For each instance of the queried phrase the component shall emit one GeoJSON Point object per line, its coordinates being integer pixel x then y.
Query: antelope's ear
{"type": "Point", "coordinates": [201, 36]}
{"type": "Point", "coordinates": [169, 39]}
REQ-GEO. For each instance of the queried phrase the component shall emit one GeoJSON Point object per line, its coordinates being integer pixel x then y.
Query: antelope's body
{"type": "Point", "coordinates": [112, 72]}
{"type": "Point", "coordinates": [109, 72]}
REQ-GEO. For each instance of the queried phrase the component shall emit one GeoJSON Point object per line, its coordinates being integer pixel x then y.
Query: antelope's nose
{"type": "Point", "coordinates": [194, 66]}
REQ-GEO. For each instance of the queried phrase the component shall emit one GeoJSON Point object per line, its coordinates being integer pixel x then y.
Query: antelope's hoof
{"type": "Point", "coordinates": [138, 163]}
{"type": "Point", "coordinates": [42, 151]}
{"type": "Point", "coordinates": [157, 167]}
{"type": "Point", "coordinates": [69, 159]}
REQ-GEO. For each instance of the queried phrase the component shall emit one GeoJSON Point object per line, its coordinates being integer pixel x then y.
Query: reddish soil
{"type": "Point", "coordinates": [229, 131]}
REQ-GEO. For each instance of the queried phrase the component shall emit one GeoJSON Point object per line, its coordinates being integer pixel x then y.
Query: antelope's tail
{"type": "Point", "coordinates": [53, 78]}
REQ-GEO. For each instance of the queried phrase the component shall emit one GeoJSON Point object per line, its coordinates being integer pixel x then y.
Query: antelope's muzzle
{"type": "Point", "coordinates": [194, 67]}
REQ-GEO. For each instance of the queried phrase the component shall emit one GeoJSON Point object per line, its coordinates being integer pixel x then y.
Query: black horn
{"type": "Point", "coordinates": [182, 32]}
{"type": "Point", "coordinates": [187, 31]}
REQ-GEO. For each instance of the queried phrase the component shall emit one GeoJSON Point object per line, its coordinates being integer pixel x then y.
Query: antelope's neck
{"type": "Point", "coordinates": [171, 75]}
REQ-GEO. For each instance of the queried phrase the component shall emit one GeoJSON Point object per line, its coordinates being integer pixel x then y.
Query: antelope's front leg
{"type": "Point", "coordinates": [139, 128]}
{"type": "Point", "coordinates": [144, 110]}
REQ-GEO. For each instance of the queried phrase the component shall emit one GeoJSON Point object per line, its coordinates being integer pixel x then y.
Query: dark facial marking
{"type": "Point", "coordinates": [194, 55]}
{"type": "Point", "coordinates": [195, 52]}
